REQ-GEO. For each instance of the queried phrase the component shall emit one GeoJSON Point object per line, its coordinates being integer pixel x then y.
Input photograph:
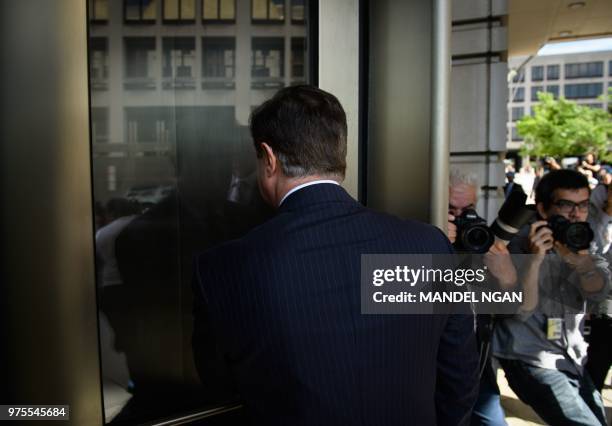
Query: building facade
{"type": "Point", "coordinates": [580, 77]}
{"type": "Point", "coordinates": [155, 63]}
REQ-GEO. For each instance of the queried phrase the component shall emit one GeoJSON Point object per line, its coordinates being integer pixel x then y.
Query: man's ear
{"type": "Point", "coordinates": [541, 210]}
{"type": "Point", "coordinates": [270, 160]}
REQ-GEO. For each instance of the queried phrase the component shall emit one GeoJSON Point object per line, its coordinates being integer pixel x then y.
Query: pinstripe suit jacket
{"type": "Point", "coordinates": [284, 302]}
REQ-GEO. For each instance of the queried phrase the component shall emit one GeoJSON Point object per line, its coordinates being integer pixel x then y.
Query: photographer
{"type": "Point", "coordinates": [541, 348]}
{"type": "Point", "coordinates": [462, 198]}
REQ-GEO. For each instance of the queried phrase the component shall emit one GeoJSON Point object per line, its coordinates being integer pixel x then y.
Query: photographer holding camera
{"type": "Point", "coordinates": [464, 222]}
{"type": "Point", "coordinates": [541, 348]}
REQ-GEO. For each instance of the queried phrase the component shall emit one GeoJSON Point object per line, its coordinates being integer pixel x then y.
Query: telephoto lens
{"type": "Point", "coordinates": [575, 235]}
{"type": "Point", "coordinates": [512, 216]}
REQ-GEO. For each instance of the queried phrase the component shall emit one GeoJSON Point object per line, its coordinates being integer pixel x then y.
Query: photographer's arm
{"type": "Point", "coordinates": [591, 279]}
{"type": "Point", "coordinates": [499, 263]}
{"type": "Point", "coordinates": [540, 241]}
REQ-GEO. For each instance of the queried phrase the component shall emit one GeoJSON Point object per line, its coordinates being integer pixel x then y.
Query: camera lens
{"type": "Point", "coordinates": [478, 238]}
{"type": "Point", "coordinates": [578, 236]}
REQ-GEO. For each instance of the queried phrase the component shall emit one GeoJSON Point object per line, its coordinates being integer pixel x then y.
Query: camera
{"type": "Point", "coordinates": [575, 235]}
{"type": "Point", "coordinates": [473, 234]}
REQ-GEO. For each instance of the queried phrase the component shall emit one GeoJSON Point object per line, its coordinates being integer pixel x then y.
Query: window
{"type": "Point", "coordinates": [179, 11]}
{"type": "Point", "coordinates": [139, 62]}
{"type": "Point", "coordinates": [170, 138]}
{"type": "Point", "coordinates": [218, 61]}
{"type": "Point", "coordinates": [268, 11]}
{"type": "Point", "coordinates": [515, 135]}
{"type": "Point", "coordinates": [534, 92]}
{"type": "Point", "coordinates": [140, 11]}
{"type": "Point", "coordinates": [519, 94]}
{"type": "Point", "coordinates": [98, 11]}
{"type": "Point", "coordinates": [99, 125]}
{"type": "Point", "coordinates": [584, 70]}
{"type": "Point", "coordinates": [178, 62]}
{"type": "Point", "coordinates": [218, 11]}
{"type": "Point", "coordinates": [148, 124]}
{"type": "Point", "coordinates": [297, 11]}
{"type": "Point", "coordinates": [554, 89]}
{"type": "Point", "coordinates": [517, 113]}
{"type": "Point", "coordinates": [519, 77]}
{"type": "Point", "coordinates": [268, 57]}
{"type": "Point", "coordinates": [298, 58]}
{"type": "Point", "coordinates": [610, 68]}
{"type": "Point", "coordinates": [98, 63]}
{"type": "Point", "coordinates": [596, 106]}
{"type": "Point", "coordinates": [586, 91]}
{"type": "Point", "coordinates": [552, 72]}
{"type": "Point", "coordinates": [537, 73]}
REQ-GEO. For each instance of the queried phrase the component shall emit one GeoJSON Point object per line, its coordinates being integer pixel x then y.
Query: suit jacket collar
{"type": "Point", "coordinates": [315, 194]}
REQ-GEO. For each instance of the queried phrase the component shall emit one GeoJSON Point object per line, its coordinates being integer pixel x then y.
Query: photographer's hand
{"type": "Point", "coordinates": [540, 239]}
{"type": "Point", "coordinates": [451, 229]}
{"type": "Point", "coordinates": [500, 265]}
{"type": "Point", "coordinates": [590, 280]}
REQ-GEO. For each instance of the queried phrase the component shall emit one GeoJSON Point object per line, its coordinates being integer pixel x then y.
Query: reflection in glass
{"type": "Point", "coordinates": [218, 57]}
{"type": "Point", "coordinates": [228, 9]}
{"type": "Point", "coordinates": [144, 11]}
{"type": "Point", "coordinates": [297, 10]}
{"type": "Point", "coordinates": [188, 9]}
{"type": "Point", "coordinates": [260, 9]}
{"type": "Point", "coordinates": [277, 10]}
{"type": "Point", "coordinates": [268, 57]}
{"type": "Point", "coordinates": [174, 174]}
{"type": "Point", "coordinates": [149, 10]}
{"type": "Point", "coordinates": [98, 10]}
{"type": "Point", "coordinates": [171, 9]}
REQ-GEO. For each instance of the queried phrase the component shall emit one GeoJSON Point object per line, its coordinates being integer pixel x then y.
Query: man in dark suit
{"type": "Point", "coordinates": [511, 186]}
{"type": "Point", "coordinates": [284, 300]}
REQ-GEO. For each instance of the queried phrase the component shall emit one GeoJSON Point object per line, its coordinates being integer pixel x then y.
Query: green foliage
{"type": "Point", "coordinates": [562, 128]}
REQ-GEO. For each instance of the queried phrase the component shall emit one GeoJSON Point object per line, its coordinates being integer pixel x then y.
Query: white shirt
{"type": "Point", "coordinates": [304, 185]}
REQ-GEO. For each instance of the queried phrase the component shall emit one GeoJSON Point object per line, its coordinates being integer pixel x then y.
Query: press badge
{"type": "Point", "coordinates": [554, 328]}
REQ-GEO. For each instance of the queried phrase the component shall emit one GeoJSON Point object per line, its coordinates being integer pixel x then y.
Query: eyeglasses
{"type": "Point", "coordinates": [567, 206]}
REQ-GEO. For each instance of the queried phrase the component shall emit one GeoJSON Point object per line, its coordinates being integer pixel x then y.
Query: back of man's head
{"type": "Point", "coordinates": [306, 128]}
{"type": "Point", "coordinates": [558, 179]}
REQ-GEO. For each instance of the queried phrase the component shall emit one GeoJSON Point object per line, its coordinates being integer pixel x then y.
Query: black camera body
{"type": "Point", "coordinates": [575, 235]}
{"type": "Point", "coordinates": [473, 234]}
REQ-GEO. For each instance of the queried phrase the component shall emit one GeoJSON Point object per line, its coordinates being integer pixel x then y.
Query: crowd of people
{"type": "Point", "coordinates": [556, 350]}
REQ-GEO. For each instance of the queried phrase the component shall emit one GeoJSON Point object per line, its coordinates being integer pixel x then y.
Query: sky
{"type": "Point", "coordinates": [579, 46]}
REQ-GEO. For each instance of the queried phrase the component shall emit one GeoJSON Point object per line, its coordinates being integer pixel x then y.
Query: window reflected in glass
{"type": "Point", "coordinates": [98, 11]}
{"type": "Point", "coordinates": [297, 11]}
{"type": "Point", "coordinates": [218, 11]}
{"type": "Point", "coordinates": [178, 62]}
{"type": "Point", "coordinates": [268, 11]}
{"type": "Point", "coordinates": [98, 63]}
{"type": "Point", "coordinates": [218, 62]}
{"type": "Point", "coordinates": [140, 11]}
{"type": "Point", "coordinates": [298, 59]}
{"type": "Point", "coordinates": [173, 174]}
{"type": "Point", "coordinates": [268, 62]}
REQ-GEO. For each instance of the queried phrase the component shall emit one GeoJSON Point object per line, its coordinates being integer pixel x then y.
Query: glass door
{"type": "Point", "coordinates": [172, 84]}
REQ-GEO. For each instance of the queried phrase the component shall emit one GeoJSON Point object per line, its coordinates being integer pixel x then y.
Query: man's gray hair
{"type": "Point", "coordinates": [291, 170]}
{"type": "Point", "coordinates": [457, 177]}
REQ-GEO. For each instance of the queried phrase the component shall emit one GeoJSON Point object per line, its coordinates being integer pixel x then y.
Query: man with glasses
{"type": "Point", "coordinates": [541, 348]}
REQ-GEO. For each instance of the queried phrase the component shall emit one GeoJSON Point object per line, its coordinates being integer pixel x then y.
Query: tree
{"type": "Point", "coordinates": [561, 128]}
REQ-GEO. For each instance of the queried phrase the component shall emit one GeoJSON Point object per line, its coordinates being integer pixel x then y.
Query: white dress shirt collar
{"type": "Point", "coordinates": [304, 185]}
